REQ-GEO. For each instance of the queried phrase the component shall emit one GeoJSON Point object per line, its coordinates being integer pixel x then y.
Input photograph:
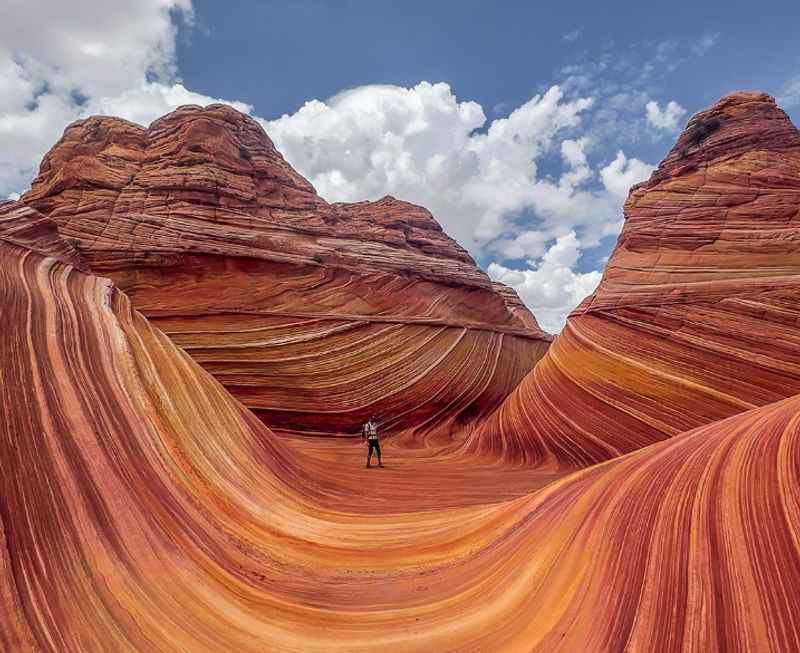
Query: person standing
{"type": "Point", "coordinates": [369, 432]}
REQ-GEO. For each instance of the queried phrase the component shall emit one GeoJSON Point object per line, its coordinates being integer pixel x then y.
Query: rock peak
{"type": "Point", "coordinates": [739, 122]}
{"type": "Point", "coordinates": [217, 167]}
{"type": "Point", "coordinates": [743, 96]}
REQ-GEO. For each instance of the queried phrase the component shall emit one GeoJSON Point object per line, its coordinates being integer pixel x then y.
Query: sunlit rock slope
{"type": "Point", "coordinates": [313, 314]}
{"type": "Point", "coordinates": [697, 316]}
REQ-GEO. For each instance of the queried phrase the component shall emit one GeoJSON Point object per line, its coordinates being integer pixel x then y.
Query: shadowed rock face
{"type": "Point", "coordinates": [697, 316]}
{"type": "Point", "coordinates": [313, 314]}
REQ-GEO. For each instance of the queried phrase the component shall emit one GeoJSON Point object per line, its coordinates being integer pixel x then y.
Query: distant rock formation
{"type": "Point", "coordinates": [315, 315]}
{"type": "Point", "coordinates": [697, 316]}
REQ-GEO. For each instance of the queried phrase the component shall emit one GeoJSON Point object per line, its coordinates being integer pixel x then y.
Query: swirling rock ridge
{"type": "Point", "coordinates": [149, 511]}
{"type": "Point", "coordinates": [143, 507]}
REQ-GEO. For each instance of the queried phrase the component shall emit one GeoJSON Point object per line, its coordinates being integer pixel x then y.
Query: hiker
{"type": "Point", "coordinates": [369, 432]}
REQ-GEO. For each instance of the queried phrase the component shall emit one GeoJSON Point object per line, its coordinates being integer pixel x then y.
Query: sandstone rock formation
{"type": "Point", "coordinates": [147, 510]}
{"type": "Point", "coordinates": [312, 314]}
{"type": "Point", "coordinates": [144, 508]}
{"type": "Point", "coordinates": [697, 316]}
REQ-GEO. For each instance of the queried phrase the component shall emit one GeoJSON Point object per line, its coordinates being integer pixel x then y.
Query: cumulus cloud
{"type": "Point", "coordinates": [667, 118]}
{"type": "Point", "coordinates": [622, 173]}
{"type": "Point", "coordinates": [529, 244]}
{"type": "Point", "coordinates": [424, 145]}
{"type": "Point", "coordinates": [504, 188]}
{"type": "Point", "coordinates": [86, 58]}
{"type": "Point", "coordinates": [551, 287]}
{"type": "Point", "coordinates": [574, 154]}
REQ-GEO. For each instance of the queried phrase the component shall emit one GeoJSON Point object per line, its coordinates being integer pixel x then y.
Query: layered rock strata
{"type": "Point", "coordinates": [313, 314]}
{"type": "Point", "coordinates": [144, 509]}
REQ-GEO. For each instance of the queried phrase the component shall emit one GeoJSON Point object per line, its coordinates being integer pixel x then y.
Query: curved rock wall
{"type": "Point", "coordinates": [148, 510]}
{"type": "Point", "coordinates": [315, 315]}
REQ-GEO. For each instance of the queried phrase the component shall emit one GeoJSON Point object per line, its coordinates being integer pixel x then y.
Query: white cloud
{"type": "Point", "coordinates": [622, 173]}
{"type": "Point", "coordinates": [551, 288]}
{"type": "Point", "coordinates": [623, 78]}
{"type": "Point", "coordinates": [93, 47]}
{"type": "Point", "coordinates": [789, 95]}
{"type": "Point", "coordinates": [528, 245]}
{"type": "Point", "coordinates": [574, 155]}
{"type": "Point", "coordinates": [423, 145]}
{"type": "Point", "coordinates": [13, 196]}
{"type": "Point", "coordinates": [87, 57]}
{"type": "Point", "coordinates": [668, 118]}
{"type": "Point", "coordinates": [147, 101]}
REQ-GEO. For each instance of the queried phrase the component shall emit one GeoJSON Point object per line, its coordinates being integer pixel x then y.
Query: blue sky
{"type": "Point", "coordinates": [277, 55]}
{"type": "Point", "coordinates": [521, 125]}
